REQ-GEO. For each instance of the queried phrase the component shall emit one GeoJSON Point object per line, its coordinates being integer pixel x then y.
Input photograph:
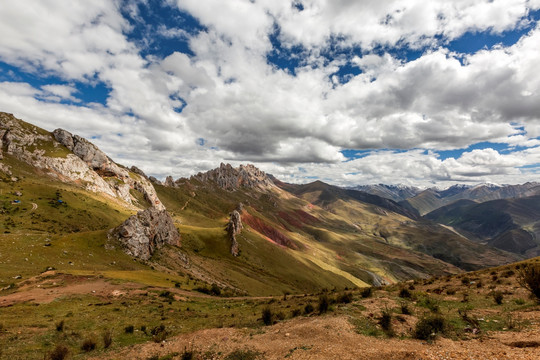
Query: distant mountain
{"type": "Point", "coordinates": [329, 193]}
{"type": "Point", "coordinates": [392, 192]}
{"type": "Point", "coordinates": [431, 199]}
{"type": "Point", "coordinates": [508, 224]}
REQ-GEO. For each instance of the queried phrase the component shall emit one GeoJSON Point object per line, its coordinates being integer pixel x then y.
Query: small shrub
{"type": "Point", "coordinates": [508, 273]}
{"type": "Point", "coordinates": [405, 293]}
{"type": "Point", "coordinates": [450, 291]}
{"type": "Point", "coordinates": [243, 355]}
{"type": "Point", "coordinates": [428, 328]}
{"type": "Point", "coordinates": [497, 297]}
{"type": "Point", "coordinates": [215, 290]}
{"type": "Point", "coordinates": [405, 309]}
{"type": "Point", "coordinates": [345, 298]}
{"type": "Point", "coordinates": [267, 316]}
{"type": "Point", "coordinates": [308, 309]}
{"type": "Point", "coordinates": [296, 312]}
{"type": "Point", "coordinates": [366, 292]}
{"type": "Point", "coordinates": [159, 333]}
{"type": "Point", "coordinates": [60, 326]}
{"type": "Point", "coordinates": [479, 284]}
{"type": "Point", "coordinates": [385, 321]}
{"type": "Point", "coordinates": [465, 280]}
{"type": "Point", "coordinates": [167, 295]}
{"type": "Point", "coordinates": [88, 345]}
{"type": "Point", "coordinates": [187, 355]}
{"type": "Point", "coordinates": [60, 352]}
{"type": "Point", "coordinates": [129, 329]}
{"type": "Point", "coordinates": [324, 304]}
{"type": "Point", "coordinates": [529, 277]}
{"type": "Point", "coordinates": [107, 338]}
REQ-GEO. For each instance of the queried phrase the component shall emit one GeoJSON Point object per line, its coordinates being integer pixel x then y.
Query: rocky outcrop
{"type": "Point", "coordinates": [142, 234]}
{"type": "Point", "coordinates": [83, 164]}
{"type": "Point", "coordinates": [230, 178]}
{"type": "Point", "coordinates": [118, 178]}
{"type": "Point", "coordinates": [234, 227]}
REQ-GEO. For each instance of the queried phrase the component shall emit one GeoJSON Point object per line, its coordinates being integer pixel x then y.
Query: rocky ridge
{"type": "Point", "coordinates": [71, 158]}
{"type": "Point", "coordinates": [142, 234]}
{"type": "Point", "coordinates": [231, 179]}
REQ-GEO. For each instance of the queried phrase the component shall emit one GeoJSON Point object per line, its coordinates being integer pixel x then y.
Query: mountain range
{"type": "Point", "coordinates": [293, 238]}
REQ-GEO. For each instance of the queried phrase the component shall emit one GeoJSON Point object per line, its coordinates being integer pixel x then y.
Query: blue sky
{"type": "Point", "coordinates": [346, 92]}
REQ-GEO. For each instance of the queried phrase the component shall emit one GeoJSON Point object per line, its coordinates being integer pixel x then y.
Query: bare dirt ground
{"type": "Point", "coordinates": [334, 338]}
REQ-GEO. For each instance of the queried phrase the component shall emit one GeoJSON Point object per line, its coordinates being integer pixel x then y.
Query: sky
{"type": "Point", "coordinates": [348, 92]}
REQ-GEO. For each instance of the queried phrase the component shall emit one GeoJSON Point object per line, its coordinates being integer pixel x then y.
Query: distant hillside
{"type": "Point", "coordinates": [393, 192]}
{"type": "Point", "coordinates": [431, 199]}
{"type": "Point", "coordinates": [508, 224]}
{"type": "Point", "coordinates": [327, 194]}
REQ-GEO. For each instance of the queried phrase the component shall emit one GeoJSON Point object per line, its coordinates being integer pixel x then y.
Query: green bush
{"type": "Point", "coordinates": [324, 303]}
{"type": "Point", "coordinates": [529, 277]}
{"type": "Point", "coordinates": [107, 338]}
{"type": "Point", "coordinates": [60, 352]}
{"type": "Point", "coordinates": [129, 329]}
{"type": "Point", "coordinates": [366, 292]}
{"type": "Point", "coordinates": [405, 293]}
{"type": "Point", "coordinates": [60, 326]}
{"type": "Point", "coordinates": [497, 297]}
{"type": "Point", "coordinates": [428, 328]}
{"type": "Point", "coordinates": [267, 316]}
{"type": "Point", "coordinates": [88, 345]}
{"type": "Point", "coordinates": [345, 298]}
{"type": "Point", "coordinates": [243, 355]}
{"type": "Point", "coordinates": [385, 321]}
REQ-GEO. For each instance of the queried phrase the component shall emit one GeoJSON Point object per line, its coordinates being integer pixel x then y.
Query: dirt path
{"type": "Point", "coordinates": [330, 337]}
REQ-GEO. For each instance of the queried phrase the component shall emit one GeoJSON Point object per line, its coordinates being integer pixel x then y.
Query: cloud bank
{"type": "Point", "coordinates": [347, 92]}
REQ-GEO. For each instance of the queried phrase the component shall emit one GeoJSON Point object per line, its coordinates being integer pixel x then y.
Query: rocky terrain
{"type": "Point", "coordinates": [143, 234]}
{"type": "Point", "coordinates": [71, 158]}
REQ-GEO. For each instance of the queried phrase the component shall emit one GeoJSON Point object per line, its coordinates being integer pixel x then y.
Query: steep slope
{"type": "Point", "coordinates": [431, 199]}
{"type": "Point", "coordinates": [291, 230]}
{"type": "Point", "coordinates": [509, 224]}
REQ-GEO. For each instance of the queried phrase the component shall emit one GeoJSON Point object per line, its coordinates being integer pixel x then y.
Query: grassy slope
{"type": "Point", "coordinates": [509, 224]}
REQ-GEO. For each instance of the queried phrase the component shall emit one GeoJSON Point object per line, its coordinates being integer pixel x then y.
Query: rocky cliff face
{"type": "Point", "coordinates": [117, 177]}
{"type": "Point", "coordinates": [70, 158]}
{"type": "Point", "coordinates": [142, 234]}
{"type": "Point", "coordinates": [230, 178]}
{"type": "Point", "coordinates": [234, 227]}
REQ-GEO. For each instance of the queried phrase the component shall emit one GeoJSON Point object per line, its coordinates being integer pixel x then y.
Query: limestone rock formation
{"type": "Point", "coordinates": [230, 178]}
{"type": "Point", "coordinates": [118, 178]}
{"type": "Point", "coordinates": [84, 163]}
{"type": "Point", "coordinates": [142, 234]}
{"type": "Point", "coordinates": [234, 227]}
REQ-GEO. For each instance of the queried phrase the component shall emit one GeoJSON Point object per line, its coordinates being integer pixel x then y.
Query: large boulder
{"type": "Point", "coordinates": [142, 234]}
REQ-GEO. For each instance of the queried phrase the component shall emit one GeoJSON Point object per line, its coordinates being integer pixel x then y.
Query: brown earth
{"type": "Point", "coordinates": [335, 338]}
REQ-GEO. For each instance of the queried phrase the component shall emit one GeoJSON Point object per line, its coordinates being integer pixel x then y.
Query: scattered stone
{"type": "Point", "coordinates": [17, 193]}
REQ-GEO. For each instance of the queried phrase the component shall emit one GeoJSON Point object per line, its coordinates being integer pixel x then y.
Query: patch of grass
{"type": "Point", "coordinates": [244, 355]}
